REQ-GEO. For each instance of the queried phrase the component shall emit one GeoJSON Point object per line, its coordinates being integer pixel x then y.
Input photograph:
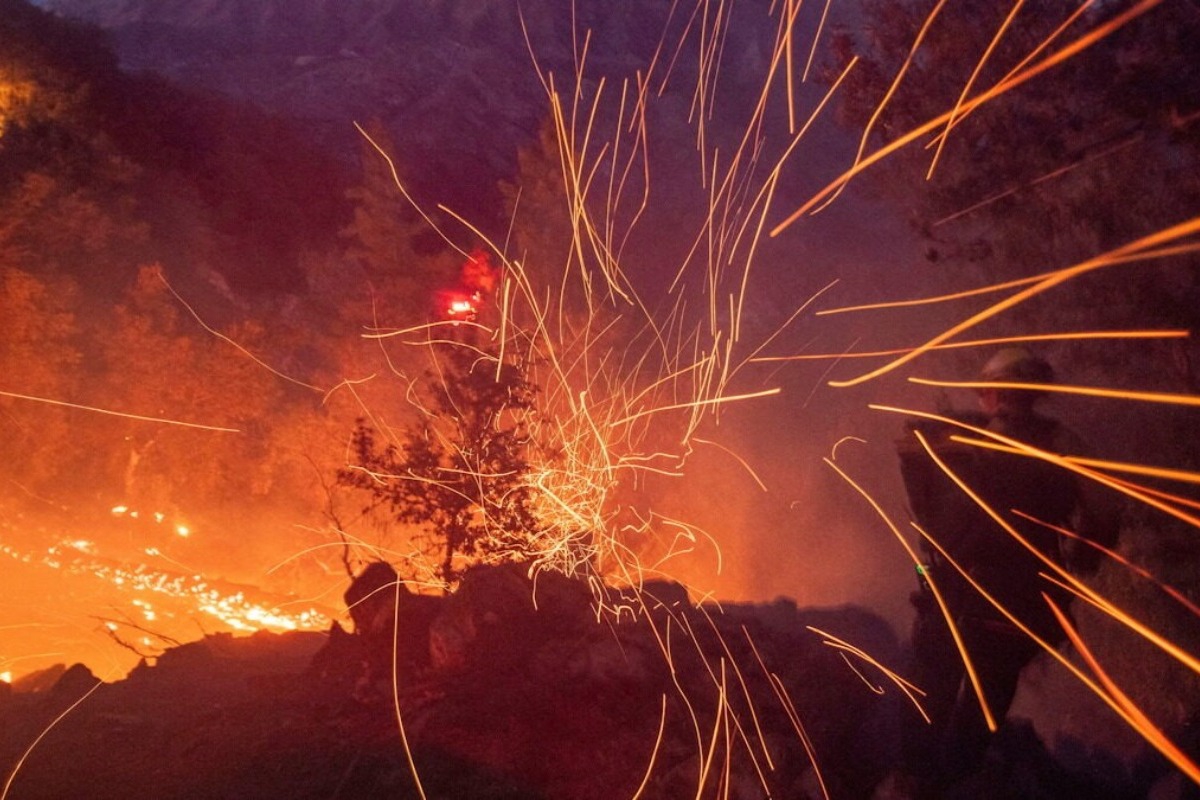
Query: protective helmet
{"type": "Point", "coordinates": [1017, 365]}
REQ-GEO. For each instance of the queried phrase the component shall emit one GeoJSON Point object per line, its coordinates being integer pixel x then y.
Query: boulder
{"type": "Point", "coordinates": [371, 599]}
{"type": "Point", "coordinates": [77, 681]}
{"type": "Point", "coordinates": [390, 637]}
{"type": "Point", "coordinates": [491, 605]}
{"type": "Point", "coordinates": [1082, 733]}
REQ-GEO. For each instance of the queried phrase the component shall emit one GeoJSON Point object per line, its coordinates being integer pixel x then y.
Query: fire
{"type": "Point", "coordinates": [478, 280]}
{"type": "Point", "coordinates": [463, 309]}
{"type": "Point", "coordinates": [632, 386]}
{"type": "Point", "coordinates": [16, 97]}
{"type": "Point", "coordinates": [155, 606]}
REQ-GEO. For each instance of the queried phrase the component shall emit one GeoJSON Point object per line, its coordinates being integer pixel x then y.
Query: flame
{"type": "Point", "coordinates": [166, 599]}
{"type": "Point", "coordinates": [462, 309]}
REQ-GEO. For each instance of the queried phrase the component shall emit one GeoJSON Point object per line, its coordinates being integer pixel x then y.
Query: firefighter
{"type": "Point", "coordinates": [1044, 491]}
{"type": "Point", "coordinates": [1046, 495]}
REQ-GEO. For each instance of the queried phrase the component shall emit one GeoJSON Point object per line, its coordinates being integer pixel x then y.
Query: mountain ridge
{"type": "Point", "coordinates": [443, 76]}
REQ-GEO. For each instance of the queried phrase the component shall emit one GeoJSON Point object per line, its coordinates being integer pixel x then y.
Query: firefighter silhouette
{"type": "Point", "coordinates": [1033, 496]}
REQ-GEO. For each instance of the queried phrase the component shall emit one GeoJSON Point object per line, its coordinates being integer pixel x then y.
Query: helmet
{"type": "Point", "coordinates": [1017, 365]}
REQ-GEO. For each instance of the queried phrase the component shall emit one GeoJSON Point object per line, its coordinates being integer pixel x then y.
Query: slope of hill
{"type": "Point", "coordinates": [451, 79]}
{"type": "Point", "coordinates": [496, 699]}
{"type": "Point", "coordinates": [168, 174]}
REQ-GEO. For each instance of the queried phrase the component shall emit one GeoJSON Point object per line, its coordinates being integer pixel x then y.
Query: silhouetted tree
{"type": "Point", "coordinates": [460, 472]}
{"type": "Point", "coordinates": [537, 201]}
{"type": "Point", "coordinates": [398, 254]}
{"type": "Point", "coordinates": [1073, 159]}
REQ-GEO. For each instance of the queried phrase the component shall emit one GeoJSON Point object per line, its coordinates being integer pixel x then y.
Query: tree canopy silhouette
{"type": "Point", "coordinates": [460, 472]}
{"type": "Point", "coordinates": [1096, 152]}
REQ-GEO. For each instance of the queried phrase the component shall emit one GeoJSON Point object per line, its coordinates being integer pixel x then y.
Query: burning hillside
{"type": "Point", "coordinates": [667, 366]}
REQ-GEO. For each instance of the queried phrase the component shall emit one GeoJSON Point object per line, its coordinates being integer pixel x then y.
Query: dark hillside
{"type": "Point", "coordinates": [496, 699]}
{"type": "Point", "coordinates": [102, 170]}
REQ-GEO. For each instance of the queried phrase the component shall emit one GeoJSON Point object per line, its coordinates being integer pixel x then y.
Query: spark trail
{"type": "Point", "coordinates": [619, 371]}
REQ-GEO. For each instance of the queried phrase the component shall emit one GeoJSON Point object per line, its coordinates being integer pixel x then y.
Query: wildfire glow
{"type": "Point", "coordinates": [632, 386]}
{"type": "Point", "coordinates": [460, 307]}
{"type": "Point", "coordinates": [157, 596]}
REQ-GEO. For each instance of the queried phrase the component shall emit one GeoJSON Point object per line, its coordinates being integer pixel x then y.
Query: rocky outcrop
{"type": "Point", "coordinates": [525, 690]}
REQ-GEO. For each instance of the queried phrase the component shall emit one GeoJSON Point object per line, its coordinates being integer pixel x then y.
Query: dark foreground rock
{"type": "Point", "coordinates": [509, 688]}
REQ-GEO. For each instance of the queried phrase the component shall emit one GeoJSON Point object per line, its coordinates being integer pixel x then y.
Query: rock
{"type": "Point", "coordinates": [528, 694]}
{"type": "Point", "coordinates": [659, 594]}
{"type": "Point", "coordinates": [492, 602]}
{"type": "Point", "coordinates": [390, 638]}
{"type": "Point", "coordinates": [39, 681]}
{"type": "Point", "coordinates": [391, 620]}
{"type": "Point", "coordinates": [1079, 730]}
{"type": "Point", "coordinates": [560, 600]}
{"type": "Point", "coordinates": [77, 681]}
{"type": "Point", "coordinates": [372, 597]}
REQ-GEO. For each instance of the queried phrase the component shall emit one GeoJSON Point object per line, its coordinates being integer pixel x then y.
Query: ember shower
{"type": "Point", "coordinates": [654, 275]}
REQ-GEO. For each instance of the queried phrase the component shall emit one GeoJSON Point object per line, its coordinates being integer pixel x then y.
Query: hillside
{"type": "Point", "coordinates": [444, 77]}
{"type": "Point", "coordinates": [494, 699]}
{"type": "Point", "coordinates": [175, 175]}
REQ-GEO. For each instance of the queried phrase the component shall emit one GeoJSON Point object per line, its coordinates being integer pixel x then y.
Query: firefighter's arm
{"type": "Point", "coordinates": [1096, 517]}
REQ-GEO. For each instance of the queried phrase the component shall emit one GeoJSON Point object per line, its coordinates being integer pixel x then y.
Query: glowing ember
{"type": "Point", "coordinates": [162, 602]}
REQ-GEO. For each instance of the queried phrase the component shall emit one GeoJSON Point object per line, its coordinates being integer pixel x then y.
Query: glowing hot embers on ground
{"type": "Point", "coordinates": [159, 518]}
{"type": "Point", "coordinates": [161, 602]}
